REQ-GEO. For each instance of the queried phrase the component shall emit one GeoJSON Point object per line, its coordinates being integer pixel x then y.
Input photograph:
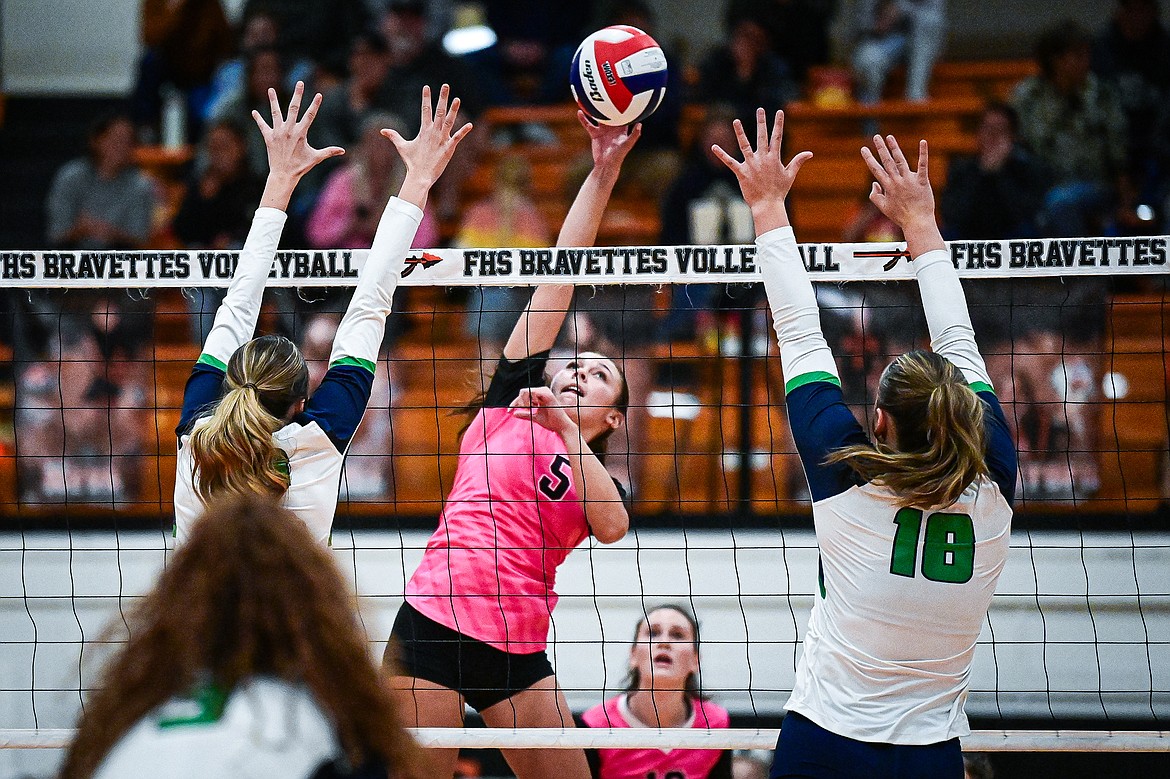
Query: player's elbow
{"type": "Point", "coordinates": [611, 526]}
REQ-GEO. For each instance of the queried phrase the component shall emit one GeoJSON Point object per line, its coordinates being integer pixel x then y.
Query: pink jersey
{"type": "Point", "coordinates": [655, 763]}
{"type": "Point", "coordinates": [512, 516]}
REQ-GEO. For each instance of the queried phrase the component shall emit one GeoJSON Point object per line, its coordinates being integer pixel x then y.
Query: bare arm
{"type": "Point", "coordinates": [541, 320]}
{"type": "Point", "coordinates": [604, 511]}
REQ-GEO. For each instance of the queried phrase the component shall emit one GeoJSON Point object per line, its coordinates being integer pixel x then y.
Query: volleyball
{"type": "Point", "coordinates": [618, 75]}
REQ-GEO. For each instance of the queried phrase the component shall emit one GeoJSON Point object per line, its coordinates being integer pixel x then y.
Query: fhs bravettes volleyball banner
{"type": "Point", "coordinates": [600, 265]}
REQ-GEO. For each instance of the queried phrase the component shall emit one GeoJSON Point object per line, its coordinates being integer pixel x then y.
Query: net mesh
{"type": "Point", "coordinates": [1078, 630]}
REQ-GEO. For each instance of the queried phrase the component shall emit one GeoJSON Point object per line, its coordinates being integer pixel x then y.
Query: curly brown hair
{"type": "Point", "coordinates": [250, 593]}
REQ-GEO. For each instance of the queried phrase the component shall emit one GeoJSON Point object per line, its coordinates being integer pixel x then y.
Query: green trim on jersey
{"type": "Point", "coordinates": [214, 362]}
{"type": "Point", "coordinates": [982, 386]}
{"type": "Point", "coordinates": [204, 706]}
{"type": "Point", "coordinates": [358, 361]}
{"type": "Point", "coordinates": [809, 378]}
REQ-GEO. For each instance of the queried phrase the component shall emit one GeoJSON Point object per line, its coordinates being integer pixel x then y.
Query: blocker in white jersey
{"type": "Point", "coordinates": [912, 526]}
{"type": "Point", "coordinates": [248, 423]}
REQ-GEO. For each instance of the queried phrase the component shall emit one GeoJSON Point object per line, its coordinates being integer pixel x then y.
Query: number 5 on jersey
{"type": "Point", "coordinates": [555, 486]}
{"type": "Point", "coordinates": [948, 546]}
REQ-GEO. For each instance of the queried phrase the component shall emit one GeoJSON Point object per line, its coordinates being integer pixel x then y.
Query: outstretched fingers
{"type": "Point", "coordinates": [426, 105]}
{"type": "Point", "coordinates": [923, 161]}
{"type": "Point", "coordinates": [441, 105]}
{"type": "Point", "coordinates": [778, 130]}
{"type": "Point", "coordinates": [745, 146]}
{"type": "Point", "coordinates": [310, 112]}
{"type": "Point", "coordinates": [274, 107]}
{"type": "Point", "coordinates": [876, 169]}
{"type": "Point", "coordinates": [761, 130]}
{"type": "Point", "coordinates": [725, 158]}
{"type": "Point", "coordinates": [294, 104]}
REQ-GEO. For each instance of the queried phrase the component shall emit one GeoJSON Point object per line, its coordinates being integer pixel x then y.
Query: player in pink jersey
{"type": "Point", "coordinates": [530, 487]}
{"type": "Point", "coordinates": [663, 692]}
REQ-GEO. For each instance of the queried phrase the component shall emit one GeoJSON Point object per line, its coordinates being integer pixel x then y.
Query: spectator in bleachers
{"type": "Point", "coordinates": [893, 32]}
{"type": "Point", "coordinates": [318, 29]}
{"type": "Point", "coordinates": [84, 408]}
{"type": "Point", "coordinates": [350, 206]}
{"type": "Point", "coordinates": [508, 217]}
{"type": "Point", "coordinates": [264, 69]}
{"type": "Point", "coordinates": [1074, 123]}
{"type": "Point", "coordinates": [1133, 54]}
{"type": "Point", "coordinates": [346, 107]}
{"type": "Point", "coordinates": [102, 200]}
{"type": "Point", "coordinates": [183, 41]}
{"type": "Point", "coordinates": [997, 193]}
{"type": "Point", "coordinates": [260, 30]}
{"type": "Point", "coordinates": [217, 207]}
{"type": "Point", "coordinates": [703, 206]}
{"type": "Point", "coordinates": [798, 30]}
{"type": "Point", "coordinates": [415, 61]}
{"type": "Point", "coordinates": [536, 39]}
{"type": "Point", "coordinates": [745, 73]}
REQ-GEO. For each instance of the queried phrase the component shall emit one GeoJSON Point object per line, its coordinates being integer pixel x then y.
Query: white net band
{"type": "Point", "coordinates": [600, 265]}
{"type": "Point", "coordinates": [690, 738]}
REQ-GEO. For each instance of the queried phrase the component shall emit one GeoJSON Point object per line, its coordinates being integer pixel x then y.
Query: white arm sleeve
{"type": "Point", "coordinates": [235, 321]}
{"type": "Point", "coordinates": [804, 352]}
{"type": "Point", "coordinates": [359, 336]}
{"type": "Point", "coordinates": [951, 334]}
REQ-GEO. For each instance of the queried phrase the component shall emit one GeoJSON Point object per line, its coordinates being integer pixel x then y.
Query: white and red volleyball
{"type": "Point", "coordinates": [618, 75]}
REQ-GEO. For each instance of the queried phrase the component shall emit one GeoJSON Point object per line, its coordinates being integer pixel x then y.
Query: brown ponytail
{"type": "Point", "coordinates": [938, 426]}
{"type": "Point", "coordinates": [233, 450]}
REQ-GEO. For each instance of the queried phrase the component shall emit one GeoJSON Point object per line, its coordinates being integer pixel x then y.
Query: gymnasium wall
{"type": "Point", "coordinates": [744, 586]}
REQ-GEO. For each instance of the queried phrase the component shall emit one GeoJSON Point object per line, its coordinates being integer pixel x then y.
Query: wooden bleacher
{"type": "Point", "coordinates": [1133, 430]}
{"type": "Point", "coordinates": [684, 469]}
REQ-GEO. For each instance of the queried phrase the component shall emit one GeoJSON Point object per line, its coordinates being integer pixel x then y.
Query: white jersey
{"type": "Point", "coordinates": [316, 440]}
{"type": "Point", "coordinates": [266, 728]}
{"type": "Point", "coordinates": [904, 592]}
{"type": "Point", "coordinates": [903, 597]}
{"type": "Point", "coordinates": [314, 462]}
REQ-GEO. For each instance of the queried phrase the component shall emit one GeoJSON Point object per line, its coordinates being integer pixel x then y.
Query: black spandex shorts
{"type": "Point", "coordinates": [482, 674]}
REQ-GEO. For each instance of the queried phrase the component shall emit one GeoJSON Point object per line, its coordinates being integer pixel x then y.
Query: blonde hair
{"type": "Point", "coordinates": [233, 451]}
{"type": "Point", "coordinates": [939, 446]}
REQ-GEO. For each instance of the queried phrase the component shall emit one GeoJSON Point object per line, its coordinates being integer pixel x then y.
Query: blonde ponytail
{"type": "Point", "coordinates": [233, 450]}
{"type": "Point", "coordinates": [938, 422]}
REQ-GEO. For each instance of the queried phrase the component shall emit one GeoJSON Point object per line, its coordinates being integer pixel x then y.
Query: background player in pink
{"type": "Point", "coordinates": [663, 692]}
{"type": "Point", "coordinates": [530, 487]}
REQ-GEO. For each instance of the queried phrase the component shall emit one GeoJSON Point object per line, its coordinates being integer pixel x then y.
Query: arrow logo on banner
{"type": "Point", "coordinates": [892, 256]}
{"type": "Point", "coordinates": [426, 260]}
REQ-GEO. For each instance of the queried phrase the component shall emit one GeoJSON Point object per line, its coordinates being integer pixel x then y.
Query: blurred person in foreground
{"type": "Point", "coordinates": [245, 659]}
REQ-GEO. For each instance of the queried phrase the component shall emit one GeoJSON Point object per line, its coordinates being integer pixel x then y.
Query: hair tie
{"type": "Point", "coordinates": [251, 386]}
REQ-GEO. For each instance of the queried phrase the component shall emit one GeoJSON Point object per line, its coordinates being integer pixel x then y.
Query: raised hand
{"type": "Point", "coordinates": [903, 195]}
{"type": "Point", "coordinates": [763, 179]}
{"type": "Point", "coordinates": [289, 152]}
{"type": "Point", "coordinates": [610, 145]}
{"type": "Point", "coordinates": [541, 406]}
{"type": "Point", "coordinates": [427, 154]}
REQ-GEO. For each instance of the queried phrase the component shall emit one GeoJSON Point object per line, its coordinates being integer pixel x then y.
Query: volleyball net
{"type": "Point", "coordinates": [99, 345]}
